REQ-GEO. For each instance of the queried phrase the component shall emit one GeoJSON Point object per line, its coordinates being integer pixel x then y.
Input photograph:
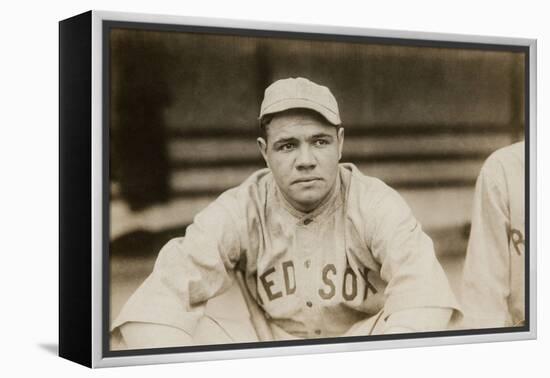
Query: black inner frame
{"type": "Point", "coordinates": [107, 25]}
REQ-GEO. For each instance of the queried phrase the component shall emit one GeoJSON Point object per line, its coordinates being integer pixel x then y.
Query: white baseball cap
{"type": "Point", "coordinates": [299, 92]}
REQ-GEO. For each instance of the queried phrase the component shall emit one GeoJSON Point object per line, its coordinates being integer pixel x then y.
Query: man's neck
{"type": "Point", "coordinates": [319, 207]}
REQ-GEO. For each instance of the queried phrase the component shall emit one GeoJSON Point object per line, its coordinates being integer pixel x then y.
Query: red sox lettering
{"type": "Point", "coordinates": [518, 241]}
{"type": "Point", "coordinates": [279, 282]}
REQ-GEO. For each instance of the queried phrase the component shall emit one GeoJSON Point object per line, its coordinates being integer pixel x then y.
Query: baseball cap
{"type": "Point", "coordinates": [299, 92]}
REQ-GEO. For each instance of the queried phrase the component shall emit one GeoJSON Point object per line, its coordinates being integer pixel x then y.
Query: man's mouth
{"type": "Point", "coordinates": [306, 180]}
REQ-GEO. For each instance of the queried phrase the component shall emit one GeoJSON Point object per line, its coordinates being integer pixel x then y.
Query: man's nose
{"type": "Point", "coordinates": [305, 159]}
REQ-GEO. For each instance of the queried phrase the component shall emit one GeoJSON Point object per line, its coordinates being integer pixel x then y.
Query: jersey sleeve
{"type": "Point", "coordinates": [414, 276]}
{"type": "Point", "coordinates": [188, 271]}
{"type": "Point", "coordinates": [485, 284]}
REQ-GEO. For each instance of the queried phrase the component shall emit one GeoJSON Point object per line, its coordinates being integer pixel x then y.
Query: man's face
{"type": "Point", "coordinates": [303, 152]}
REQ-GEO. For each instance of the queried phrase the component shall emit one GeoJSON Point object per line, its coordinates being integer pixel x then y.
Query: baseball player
{"type": "Point", "coordinates": [494, 270]}
{"type": "Point", "coordinates": [319, 249]}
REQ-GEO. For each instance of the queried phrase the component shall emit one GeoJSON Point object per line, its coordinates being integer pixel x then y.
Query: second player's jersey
{"type": "Point", "coordinates": [493, 290]}
{"type": "Point", "coordinates": [314, 274]}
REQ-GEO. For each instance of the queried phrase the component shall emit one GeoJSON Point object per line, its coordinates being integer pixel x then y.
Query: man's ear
{"type": "Point", "coordinates": [340, 142]}
{"type": "Point", "coordinates": [262, 145]}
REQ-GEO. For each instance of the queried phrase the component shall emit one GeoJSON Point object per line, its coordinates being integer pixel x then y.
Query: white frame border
{"type": "Point", "coordinates": [97, 191]}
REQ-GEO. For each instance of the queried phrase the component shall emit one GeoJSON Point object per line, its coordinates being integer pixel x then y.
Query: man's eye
{"type": "Point", "coordinates": [286, 147]}
{"type": "Point", "coordinates": [321, 142]}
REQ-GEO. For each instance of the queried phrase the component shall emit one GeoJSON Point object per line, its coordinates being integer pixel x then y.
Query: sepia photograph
{"type": "Point", "coordinates": [277, 188]}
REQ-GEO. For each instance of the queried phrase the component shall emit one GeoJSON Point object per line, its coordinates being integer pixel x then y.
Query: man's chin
{"type": "Point", "coordinates": [307, 204]}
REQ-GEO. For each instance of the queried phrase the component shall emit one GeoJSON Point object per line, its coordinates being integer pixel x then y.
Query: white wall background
{"type": "Point", "coordinates": [29, 145]}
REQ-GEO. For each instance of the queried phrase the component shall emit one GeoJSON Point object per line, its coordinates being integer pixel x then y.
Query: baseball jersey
{"type": "Point", "coordinates": [493, 291]}
{"type": "Point", "coordinates": [314, 274]}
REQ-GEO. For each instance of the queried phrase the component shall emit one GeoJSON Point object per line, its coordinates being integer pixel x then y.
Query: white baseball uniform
{"type": "Point", "coordinates": [493, 291]}
{"type": "Point", "coordinates": [315, 275]}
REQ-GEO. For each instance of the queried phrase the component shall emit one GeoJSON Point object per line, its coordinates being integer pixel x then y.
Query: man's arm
{"type": "Point", "coordinates": [418, 294]}
{"type": "Point", "coordinates": [167, 307]}
{"type": "Point", "coordinates": [418, 320]}
{"type": "Point", "coordinates": [139, 335]}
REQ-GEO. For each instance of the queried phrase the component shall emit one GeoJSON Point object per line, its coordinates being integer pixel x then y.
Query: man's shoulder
{"type": "Point", "coordinates": [251, 190]}
{"type": "Point", "coordinates": [512, 153]}
{"type": "Point", "coordinates": [368, 197]}
{"type": "Point", "coordinates": [372, 205]}
{"type": "Point", "coordinates": [255, 182]}
{"type": "Point", "coordinates": [235, 203]}
{"type": "Point", "coordinates": [363, 185]}
{"type": "Point", "coordinates": [504, 161]}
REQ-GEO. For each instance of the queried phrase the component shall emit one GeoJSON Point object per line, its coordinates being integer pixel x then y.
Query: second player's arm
{"type": "Point", "coordinates": [486, 274]}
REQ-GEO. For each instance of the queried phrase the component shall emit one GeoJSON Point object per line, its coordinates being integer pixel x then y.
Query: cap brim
{"type": "Point", "coordinates": [295, 103]}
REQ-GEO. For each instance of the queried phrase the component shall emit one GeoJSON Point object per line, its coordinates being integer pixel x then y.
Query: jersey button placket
{"type": "Point", "coordinates": [310, 240]}
{"type": "Point", "coordinates": [309, 291]}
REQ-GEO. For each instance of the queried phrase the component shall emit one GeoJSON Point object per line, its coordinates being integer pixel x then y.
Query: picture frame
{"type": "Point", "coordinates": [94, 45]}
